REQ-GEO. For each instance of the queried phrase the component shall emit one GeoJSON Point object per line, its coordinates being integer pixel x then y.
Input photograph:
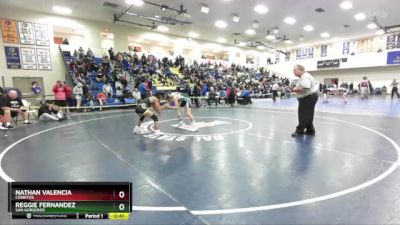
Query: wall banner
{"type": "Point", "coordinates": [29, 61]}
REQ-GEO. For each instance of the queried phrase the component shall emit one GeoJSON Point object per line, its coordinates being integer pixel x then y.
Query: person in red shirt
{"type": "Point", "coordinates": [59, 94]}
{"type": "Point", "coordinates": [364, 88]}
{"type": "Point", "coordinates": [102, 98]}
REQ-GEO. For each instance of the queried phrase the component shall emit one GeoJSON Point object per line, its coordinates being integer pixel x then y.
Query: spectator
{"type": "Point", "coordinates": [100, 78]}
{"type": "Point", "coordinates": [11, 106]}
{"type": "Point", "coordinates": [90, 98]}
{"type": "Point", "coordinates": [102, 98]}
{"type": "Point", "coordinates": [68, 93]}
{"type": "Point", "coordinates": [395, 89]}
{"type": "Point", "coordinates": [364, 88]}
{"type": "Point", "coordinates": [89, 53]}
{"type": "Point", "coordinates": [136, 95]}
{"type": "Point", "coordinates": [212, 96]}
{"type": "Point", "coordinates": [59, 94]}
{"type": "Point", "coordinates": [50, 112]}
{"type": "Point", "coordinates": [144, 89]}
{"type": "Point", "coordinates": [275, 88]}
{"type": "Point", "coordinates": [36, 89]}
{"type": "Point", "coordinates": [111, 53]}
{"type": "Point", "coordinates": [78, 92]}
{"type": "Point", "coordinates": [107, 89]}
{"type": "Point", "coordinates": [119, 88]}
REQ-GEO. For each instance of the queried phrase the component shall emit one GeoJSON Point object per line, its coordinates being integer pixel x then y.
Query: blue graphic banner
{"type": "Point", "coordinates": [393, 58]}
{"type": "Point", "coordinates": [12, 57]}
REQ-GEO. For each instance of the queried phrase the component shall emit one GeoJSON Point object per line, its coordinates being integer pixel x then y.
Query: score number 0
{"type": "Point", "coordinates": [121, 206]}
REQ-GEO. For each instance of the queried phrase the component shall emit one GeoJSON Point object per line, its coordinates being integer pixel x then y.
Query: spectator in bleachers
{"type": "Point", "coordinates": [108, 90]}
{"type": "Point", "coordinates": [76, 55]}
{"type": "Point", "coordinates": [119, 90]}
{"type": "Point", "coordinates": [212, 96]}
{"type": "Point", "coordinates": [50, 112]}
{"type": "Point", "coordinates": [100, 77]}
{"type": "Point", "coordinates": [136, 94]}
{"type": "Point", "coordinates": [111, 53]}
{"type": "Point", "coordinates": [144, 89]}
{"type": "Point", "coordinates": [102, 98]}
{"type": "Point", "coordinates": [81, 52]}
{"type": "Point", "coordinates": [90, 98]}
{"type": "Point", "coordinates": [78, 92]}
{"type": "Point", "coordinates": [11, 106]}
{"type": "Point", "coordinates": [90, 54]}
{"type": "Point", "coordinates": [59, 94]}
{"type": "Point", "coordinates": [144, 60]}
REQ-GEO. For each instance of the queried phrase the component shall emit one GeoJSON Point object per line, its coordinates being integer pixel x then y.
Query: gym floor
{"type": "Point", "coordinates": [241, 167]}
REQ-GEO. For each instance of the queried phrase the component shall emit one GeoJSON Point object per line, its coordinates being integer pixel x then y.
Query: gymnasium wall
{"type": "Point", "coordinates": [88, 34]}
{"type": "Point", "coordinates": [366, 61]}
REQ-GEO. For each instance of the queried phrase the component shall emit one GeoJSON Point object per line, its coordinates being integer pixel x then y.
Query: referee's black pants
{"type": "Point", "coordinates": [395, 91]}
{"type": "Point", "coordinates": [306, 114]}
{"type": "Point", "coordinates": [274, 95]}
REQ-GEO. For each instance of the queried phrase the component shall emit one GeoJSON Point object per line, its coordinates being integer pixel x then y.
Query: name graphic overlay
{"type": "Point", "coordinates": [70, 200]}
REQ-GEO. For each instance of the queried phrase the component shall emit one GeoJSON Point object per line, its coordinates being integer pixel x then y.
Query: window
{"type": "Point", "coordinates": [298, 54]}
{"type": "Point", "coordinates": [346, 48]}
{"type": "Point", "coordinates": [287, 56]}
{"type": "Point", "coordinates": [310, 53]}
{"type": "Point", "coordinates": [391, 42]}
{"type": "Point", "coordinates": [324, 50]}
{"type": "Point", "coordinates": [304, 53]}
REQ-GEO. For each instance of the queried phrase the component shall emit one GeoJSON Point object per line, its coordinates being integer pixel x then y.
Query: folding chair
{"type": "Point", "coordinates": [30, 111]}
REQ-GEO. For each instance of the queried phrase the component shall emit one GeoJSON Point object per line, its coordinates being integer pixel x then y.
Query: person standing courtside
{"type": "Point", "coordinates": [395, 89]}
{"type": "Point", "coordinates": [306, 93]}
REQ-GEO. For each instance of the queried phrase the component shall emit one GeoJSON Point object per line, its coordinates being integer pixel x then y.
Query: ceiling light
{"type": "Point", "coordinates": [288, 42]}
{"type": "Point", "coordinates": [62, 10]}
{"type": "Point", "coordinates": [236, 18]}
{"type": "Point", "coordinates": [360, 16]}
{"type": "Point", "coordinates": [372, 26]}
{"type": "Point", "coordinates": [163, 28]}
{"type": "Point", "coordinates": [220, 24]}
{"type": "Point", "coordinates": [193, 35]}
{"type": "Point", "coordinates": [135, 2]}
{"type": "Point", "coordinates": [346, 5]}
{"type": "Point", "coordinates": [221, 40]}
{"type": "Point", "coordinates": [242, 44]}
{"type": "Point", "coordinates": [270, 37]}
{"type": "Point", "coordinates": [256, 24]}
{"type": "Point", "coordinates": [289, 20]}
{"type": "Point", "coordinates": [380, 32]}
{"type": "Point", "coordinates": [250, 32]}
{"type": "Point", "coordinates": [205, 9]}
{"type": "Point", "coordinates": [308, 28]}
{"type": "Point", "coordinates": [261, 9]}
{"type": "Point", "coordinates": [139, 40]}
{"type": "Point", "coordinates": [261, 47]}
{"type": "Point", "coordinates": [325, 35]}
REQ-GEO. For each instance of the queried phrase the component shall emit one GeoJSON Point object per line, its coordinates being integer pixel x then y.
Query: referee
{"type": "Point", "coordinates": [306, 92]}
